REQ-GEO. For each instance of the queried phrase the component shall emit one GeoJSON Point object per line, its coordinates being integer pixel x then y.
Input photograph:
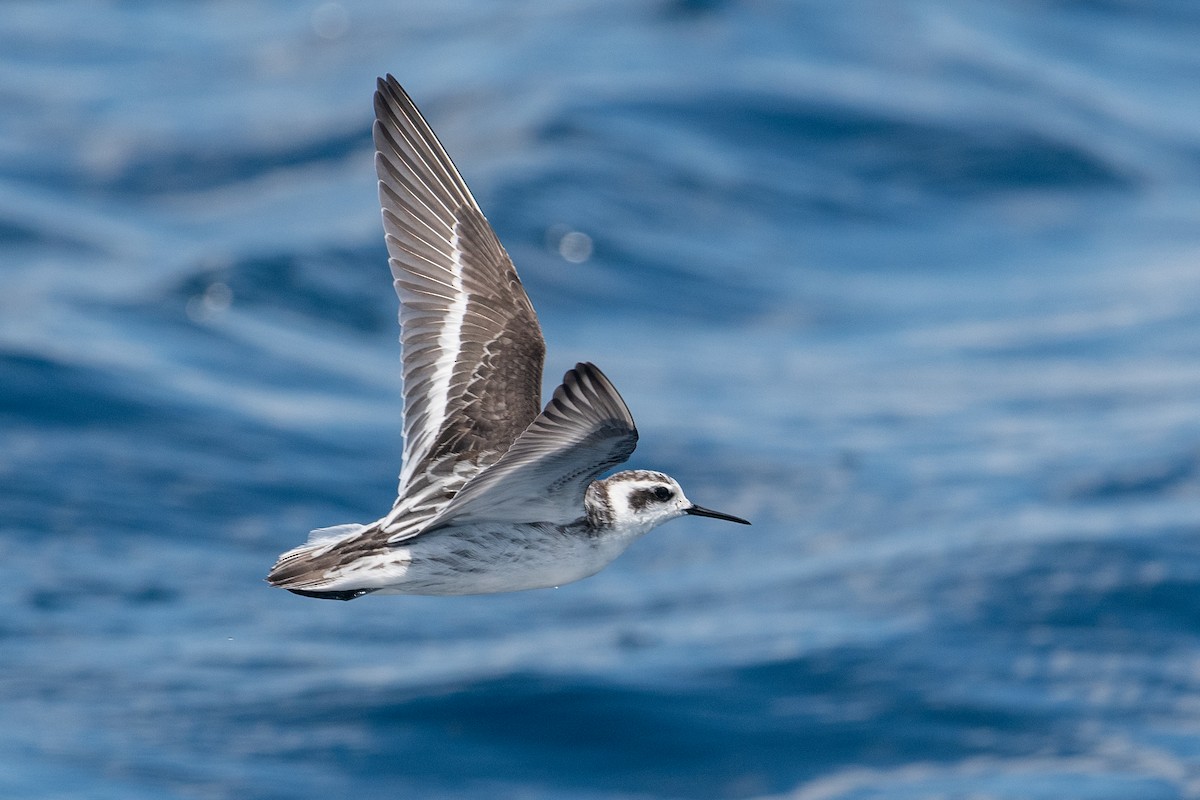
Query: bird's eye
{"type": "Point", "coordinates": [662, 493]}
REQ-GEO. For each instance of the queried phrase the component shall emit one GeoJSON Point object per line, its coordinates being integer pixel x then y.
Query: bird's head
{"type": "Point", "coordinates": [639, 500]}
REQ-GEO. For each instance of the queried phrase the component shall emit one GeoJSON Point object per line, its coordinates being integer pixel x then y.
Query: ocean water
{"type": "Point", "coordinates": [913, 286]}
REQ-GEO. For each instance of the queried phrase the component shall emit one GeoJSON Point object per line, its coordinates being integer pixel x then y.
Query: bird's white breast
{"type": "Point", "coordinates": [485, 558]}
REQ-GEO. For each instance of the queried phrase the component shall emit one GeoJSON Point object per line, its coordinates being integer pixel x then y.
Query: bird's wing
{"type": "Point", "coordinates": [472, 348]}
{"type": "Point", "coordinates": [584, 430]}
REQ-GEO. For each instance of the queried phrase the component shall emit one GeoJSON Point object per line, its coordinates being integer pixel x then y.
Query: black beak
{"type": "Point", "coordinates": [701, 511]}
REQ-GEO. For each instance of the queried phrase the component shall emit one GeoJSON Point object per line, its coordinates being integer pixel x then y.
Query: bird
{"type": "Point", "coordinates": [496, 493]}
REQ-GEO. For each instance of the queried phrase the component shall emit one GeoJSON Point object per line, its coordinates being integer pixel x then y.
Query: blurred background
{"type": "Point", "coordinates": [913, 286]}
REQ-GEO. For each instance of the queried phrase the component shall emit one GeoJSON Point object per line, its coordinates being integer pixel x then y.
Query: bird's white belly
{"type": "Point", "coordinates": [489, 558]}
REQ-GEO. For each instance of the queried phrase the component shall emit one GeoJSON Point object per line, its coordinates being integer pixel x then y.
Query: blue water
{"type": "Point", "coordinates": [914, 286]}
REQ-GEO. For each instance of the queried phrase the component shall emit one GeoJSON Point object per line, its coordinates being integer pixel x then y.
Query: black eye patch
{"type": "Point", "coordinates": [641, 498]}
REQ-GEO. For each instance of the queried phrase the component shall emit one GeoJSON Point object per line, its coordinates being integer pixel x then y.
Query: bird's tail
{"type": "Point", "coordinates": [305, 570]}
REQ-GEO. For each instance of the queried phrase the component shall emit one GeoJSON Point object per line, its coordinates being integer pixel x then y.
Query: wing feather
{"type": "Point", "coordinates": [472, 347]}
{"type": "Point", "coordinates": [585, 430]}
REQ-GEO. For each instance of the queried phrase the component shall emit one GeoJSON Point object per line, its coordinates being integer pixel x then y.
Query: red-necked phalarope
{"type": "Point", "coordinates": [494, 496]}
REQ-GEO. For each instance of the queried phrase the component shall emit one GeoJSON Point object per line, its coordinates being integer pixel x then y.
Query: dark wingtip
{"type": "Point", "coordinates": [388, 91]}
{"type": "Point", "coordinates": [587, 378]}
{"type": "Point", "coordinates": [348, 594]}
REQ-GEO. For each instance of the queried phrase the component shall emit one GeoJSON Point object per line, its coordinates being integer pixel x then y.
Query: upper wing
{"type": "Point", "coordinates": [473, 351]}
{"type": "Point", "coordinates": [584, 430]}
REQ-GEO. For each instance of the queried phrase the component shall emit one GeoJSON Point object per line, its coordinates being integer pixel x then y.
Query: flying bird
{"type": "Point", "coordinates": [496, 493]}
